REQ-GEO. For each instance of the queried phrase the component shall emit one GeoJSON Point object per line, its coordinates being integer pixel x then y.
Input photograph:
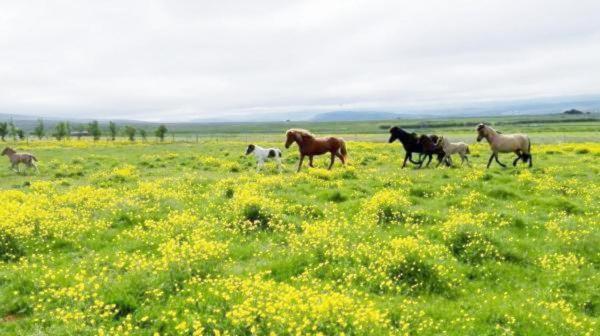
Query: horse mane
{"type": "Point", "coordinates": [482, 126]}
{"type": "Point", "coordinates": [300, 131]}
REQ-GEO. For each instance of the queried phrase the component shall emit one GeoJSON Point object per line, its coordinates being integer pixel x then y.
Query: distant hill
{"type": "Point", "coordinates": [539, 106]}
{"type": "Point", "coordinates": [354, 116]}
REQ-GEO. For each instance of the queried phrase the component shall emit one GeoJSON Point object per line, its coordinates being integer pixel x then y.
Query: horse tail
{"type": "Point", "coordinates": [468, 151]}
{"type": "Point", "coordinates": [34, 158]}
{"type": "Point", "coordinates": [279, 153]}
{"type": "Point", "coordinates": [343, 150]}
{"type": "Point", "coordinates": [527, 156]}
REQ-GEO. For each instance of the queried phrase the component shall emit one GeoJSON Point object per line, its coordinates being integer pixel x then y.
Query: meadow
{"type": "Point", "coordinates": [146, 238]}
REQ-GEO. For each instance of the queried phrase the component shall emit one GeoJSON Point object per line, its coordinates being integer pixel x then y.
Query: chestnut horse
{"type": "Point", "coordinates": [309, 145]}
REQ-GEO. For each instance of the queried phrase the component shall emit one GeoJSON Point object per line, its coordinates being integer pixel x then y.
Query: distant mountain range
{"type": "Point", "coordinates": [354, 116]}
{"type": "Point", "coordinates": [492, 108]}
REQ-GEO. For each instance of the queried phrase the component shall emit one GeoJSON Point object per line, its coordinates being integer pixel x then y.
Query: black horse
{"type": "Point", "coordinates": [430, 148]}
{"type": "Point", "coordinates": [412, 143]}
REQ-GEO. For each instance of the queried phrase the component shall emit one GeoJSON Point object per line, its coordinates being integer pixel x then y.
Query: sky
{"type": "Point", "coordinates": [185, 60]}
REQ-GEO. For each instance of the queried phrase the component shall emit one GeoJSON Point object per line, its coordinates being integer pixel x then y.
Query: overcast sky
{"type": "Point", "coordinates": [178, 60]}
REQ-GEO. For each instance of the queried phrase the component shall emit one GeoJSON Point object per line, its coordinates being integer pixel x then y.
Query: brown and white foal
{"type": "Point", "coordinates": [15, 158]}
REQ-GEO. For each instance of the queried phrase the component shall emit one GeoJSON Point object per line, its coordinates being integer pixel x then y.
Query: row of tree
{"type": "Point", "coordinates": [62, 130]}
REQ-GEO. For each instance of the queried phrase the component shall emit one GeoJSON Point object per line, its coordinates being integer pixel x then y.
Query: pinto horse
{"type": "Point", "coordinates": [412, 143]}
{"type": "Point", "coordinates": [309, 145]}
{"type": "Point", "coordinates": [505, 143]}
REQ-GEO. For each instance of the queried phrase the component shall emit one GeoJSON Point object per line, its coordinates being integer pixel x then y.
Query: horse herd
{"type": "Point", "coordinates": [425, 145]}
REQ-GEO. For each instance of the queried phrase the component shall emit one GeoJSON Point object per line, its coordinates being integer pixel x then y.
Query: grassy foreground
{"type": "Point", "coordinates": [185, 238]}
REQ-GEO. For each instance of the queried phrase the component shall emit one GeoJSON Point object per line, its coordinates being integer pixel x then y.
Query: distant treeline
{"type": "Point", "coordinates": [64, 130]}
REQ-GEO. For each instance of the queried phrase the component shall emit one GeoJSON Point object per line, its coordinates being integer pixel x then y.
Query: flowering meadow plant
{"type": "Point", "coordinates": [120, 238]}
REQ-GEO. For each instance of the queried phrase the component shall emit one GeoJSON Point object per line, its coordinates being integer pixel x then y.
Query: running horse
{"type": "Point", "coordinates": [309, 145]}
{"type": "Point", "coordinates": [505, 143]}
{"type": "Point", "coordinates": [425, 145]}
{"type": "Point", "coordinates": [16, 158]}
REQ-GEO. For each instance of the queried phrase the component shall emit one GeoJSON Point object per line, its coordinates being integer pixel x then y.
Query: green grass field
{"type": "Point", "coordinates": [185, 238]}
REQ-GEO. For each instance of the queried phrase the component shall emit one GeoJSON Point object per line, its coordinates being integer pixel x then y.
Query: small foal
{"type": "Point", "coordinates": [15, 158]}
{"type": "Point", "coordinates": [263, 154]}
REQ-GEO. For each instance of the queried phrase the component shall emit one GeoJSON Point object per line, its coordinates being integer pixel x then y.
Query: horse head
{"type": "Point", "coordinates": [397, 133]}
{"type": "Point", "coordinates": [394, 134]}
{"type": "Point", "coordinates": [482, 132]}
{"type": "Point", "coordinates": [292, 136]}
{"type": "Point", "coordinates": [7, 151]}
{"type": "Point", "coordinates": [250, 149]}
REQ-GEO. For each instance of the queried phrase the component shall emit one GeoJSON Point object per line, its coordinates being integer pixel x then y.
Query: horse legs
{"type": "Point", "coordinates": [279, 164]}
{"type": "Point", "coordinates": [490, 160]}
{"type": "Point", "coordinates": [463, 158]}
{"type": "Point", "coordinates": [530, 160]}
{"type": "Point", "coordinates": [421, 163]}
{"type": "Point", "coordinates": [310, 161]}
{"type": "Point", "coordinates": [442, 160]}
{"type": "Point", "coordinates": [428, 162]}
{"type": "Point", "coordinates": [500, 163]}
{"type": "Point", "coordinates": [259, 164]}
{"type": "Point", "coordinates": [405, 158]}
{"type": "Point", "coordinates": [332, 159]}
{"type": "Point", "coordinates": [519, 156]}
{"type": "Point", "coordinates": [516, 160]}
{"type": "Point", "coordinates": [341, 158]}
{"type": "Point", "coordinates": [300, 163]}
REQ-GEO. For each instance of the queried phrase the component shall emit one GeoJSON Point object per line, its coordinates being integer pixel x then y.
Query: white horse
{"type": "Point", "coordinates": [263, 154]}
{"type": "Point", "coordinates": [449, 148]}
{"type": "Point", "coordinates": [505, 143]}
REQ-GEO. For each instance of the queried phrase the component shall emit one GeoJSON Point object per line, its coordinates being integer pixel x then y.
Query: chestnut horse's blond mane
{"type": "Point", "coordinates": [300, 131]}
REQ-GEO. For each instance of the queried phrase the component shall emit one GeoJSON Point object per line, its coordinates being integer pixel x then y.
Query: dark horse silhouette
{"type": "Point", "coordinates": [412, 143]}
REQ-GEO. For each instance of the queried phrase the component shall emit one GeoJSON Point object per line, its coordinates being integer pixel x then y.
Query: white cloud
{"type": "Point", "coordinates": [189, 59]}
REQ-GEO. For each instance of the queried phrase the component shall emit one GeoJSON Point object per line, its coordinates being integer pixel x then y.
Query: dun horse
{"type": "Point", "coordinates": [449, 148]}
{"type": "Point", "coordinates": [309, 145]}
{"type": "Point", "coordinates": [16, 158]}
{"type": "Point", "coordinates": [505, 143]}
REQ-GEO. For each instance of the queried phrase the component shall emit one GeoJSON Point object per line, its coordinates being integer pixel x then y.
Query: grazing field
{"type": "Point", "coordinates": [185, 238]}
